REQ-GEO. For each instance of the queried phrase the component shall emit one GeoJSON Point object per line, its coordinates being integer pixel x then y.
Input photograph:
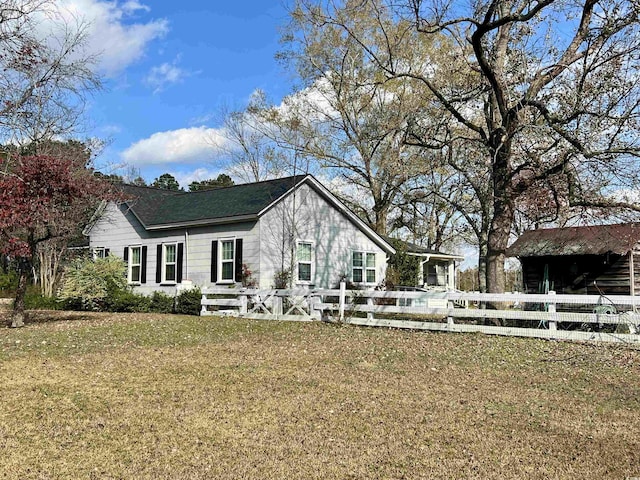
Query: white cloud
{"type": "Point", "coordinates": [111, 34]}
{"type": "Point", "coordinates": [186, 145]}
{"type": "Point", "coordinates": [166, 74]}
{"type": "Point", "coordinates": [133, 6]}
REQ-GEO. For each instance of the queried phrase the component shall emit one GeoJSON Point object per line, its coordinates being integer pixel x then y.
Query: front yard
{"type": "Point", "coordinates": [161, 396]}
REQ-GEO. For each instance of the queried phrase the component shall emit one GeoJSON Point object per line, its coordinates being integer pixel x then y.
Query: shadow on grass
{"type": "Point", "coordinates": [36, 317]}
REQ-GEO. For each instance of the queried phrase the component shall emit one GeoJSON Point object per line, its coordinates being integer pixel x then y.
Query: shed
{"type": "Point", "coordinates": [591, 259]}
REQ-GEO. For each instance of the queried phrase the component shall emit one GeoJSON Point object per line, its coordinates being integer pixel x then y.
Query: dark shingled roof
{"type": "Point", "coordinates": [593, 240]}
{"type": "Point", "coordinates": [156, 207]}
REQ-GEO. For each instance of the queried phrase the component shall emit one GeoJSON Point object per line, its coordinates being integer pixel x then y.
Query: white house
{"type": "Point", "coordinates": [214, 237]}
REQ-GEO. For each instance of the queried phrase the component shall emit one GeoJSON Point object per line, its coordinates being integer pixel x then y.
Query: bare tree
{"type": "Point", "coordinates": [44, 73]}
{"type": "Point", "coordinates": [347, 117]}
{"type": "Point", "coordinates": [246, 143]}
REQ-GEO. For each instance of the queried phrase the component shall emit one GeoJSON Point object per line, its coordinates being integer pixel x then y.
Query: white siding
{"type": "Point", "coordinates": [309, 217]}
{"type": "Point", "coordinates": [118, 229]}
{"type": "Point", "coordinates": [199, 251]}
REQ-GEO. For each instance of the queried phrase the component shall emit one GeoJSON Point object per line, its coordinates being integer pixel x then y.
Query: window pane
{"type": "Point", "coordinates": [357, 275]}
{"type": "Point", "coordinates": [227, 250]}
{"type": "Point", "coordinates": [304, 272]}
{"type": "Point", "coordinates": [371, 260]}
{"type": "Point", "coordinates": [357, 259]}
{"type": "Point", "coordinates": [227, 271]}
{"type": "Point", "coordinates": [304, 252]}
{"type": "Point", "coordinates": [135, 273]}
{"type": "Point", "coordinates": [170, 253]}
{"type": "Point", "coordinates": [170, 273]}
{"type": "Point", "coordinates": [135, 255]}
{"type": "Point", "coordinates": [371, 276]}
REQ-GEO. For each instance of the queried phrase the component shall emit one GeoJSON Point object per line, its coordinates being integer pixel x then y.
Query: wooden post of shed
{"type": "Point", "coordinates": [632, 280]}
{"type": "Point", "coordinates": [632, 283]}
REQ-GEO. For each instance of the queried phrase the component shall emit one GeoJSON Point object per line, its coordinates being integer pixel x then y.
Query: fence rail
{"type": "Point", "coordinates": [570, 317]}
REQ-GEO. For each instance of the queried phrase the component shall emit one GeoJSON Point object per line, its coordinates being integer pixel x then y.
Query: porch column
{"type": "Point", "coordinates": [451, 284]}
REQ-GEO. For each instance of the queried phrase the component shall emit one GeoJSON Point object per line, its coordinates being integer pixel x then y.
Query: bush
{"type": "Point", "coordinates": [160, 302]}
{"type": "Point", "coordinates": [35, 301]}
{"type": "Point", "coordinates": [127, 301]}
{"type": "Point", "coordinates": [403, 269]}
{"type": "Point", "coordinates": [91, 284]}
{"type": "Point", "coordinates": [8, 282]}
{"type": "Point", "coordinates": [188, 302]}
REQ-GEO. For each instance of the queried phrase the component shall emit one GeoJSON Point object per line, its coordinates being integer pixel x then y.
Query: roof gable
{"type": "Point", "coordinates": [591, 240]}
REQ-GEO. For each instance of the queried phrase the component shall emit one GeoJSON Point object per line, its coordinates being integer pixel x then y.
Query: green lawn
{"type": "Point", "coordinates": [152, 396]}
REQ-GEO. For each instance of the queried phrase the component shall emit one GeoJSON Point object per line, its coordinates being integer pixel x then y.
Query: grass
{"type": "Point", "coordinates": [153, 396]}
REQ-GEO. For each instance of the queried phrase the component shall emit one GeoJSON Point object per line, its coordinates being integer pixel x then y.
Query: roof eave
{"type": "Point", "coordinates": [443, 256]}
{"type": "Point", "coordinates": [202, 223]}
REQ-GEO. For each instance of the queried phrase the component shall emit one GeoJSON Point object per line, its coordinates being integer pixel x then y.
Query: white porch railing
{"type": "Point", "coordinates": [571, 317]}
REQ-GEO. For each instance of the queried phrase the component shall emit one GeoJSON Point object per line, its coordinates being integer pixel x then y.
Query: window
{"type": "Point", "coordinates": [437, 273]}
{"type": "Point", "coordinates": [304, 255]}
{"type": "Point", "coordinates": [364, 267]}
{"type": "Point", "coordinates": [227, 260]}
{"type": "Point", "coordinates": [135, 264]}
{"type": "Point", "coordinates": [99, 252]}
{"type": "Point", "coordinates": [169, 262]}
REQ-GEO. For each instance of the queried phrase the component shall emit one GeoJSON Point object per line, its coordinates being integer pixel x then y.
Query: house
{"type": "Point", "coordinates": [251, 233]}
{"type": "Point", "coordinates": [595, 259]}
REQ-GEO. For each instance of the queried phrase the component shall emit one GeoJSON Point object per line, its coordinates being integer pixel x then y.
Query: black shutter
{"type": "Point", "coordinates": [106, 252]}
{"type": "Point", "coordinates": [143, 266]}
{"type": "Point", "coordinates": [125, 255]}
{"type": "Point", "coordinates": [159, 264]}
{"type": "Point", "coordinates": [238, 269]}
{"type": "Point", "coordinates": [179, 262]}
{"type": "Point", "coordinates": [214, 261]}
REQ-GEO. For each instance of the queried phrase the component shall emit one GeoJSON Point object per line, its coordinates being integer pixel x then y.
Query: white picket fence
{"type": "Point", "coordinates": [566, 317]}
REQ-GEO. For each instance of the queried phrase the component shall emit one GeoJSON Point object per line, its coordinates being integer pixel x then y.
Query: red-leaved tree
{"type": "Point", "coordinates": [40, 199]}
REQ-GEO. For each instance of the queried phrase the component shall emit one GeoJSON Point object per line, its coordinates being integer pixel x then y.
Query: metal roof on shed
{"type": "Point", "coordinates": [591, 240]}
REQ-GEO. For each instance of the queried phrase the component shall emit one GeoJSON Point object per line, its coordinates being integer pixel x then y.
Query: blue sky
{"type": "Point", "coordinates": [170, 68]}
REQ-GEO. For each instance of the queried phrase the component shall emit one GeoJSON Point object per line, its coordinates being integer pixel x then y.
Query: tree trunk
{"type": "Point", "coordinates": [482, 267]}
{"type": "Point", "coordinates": [498, 240]}
{"type": "Point", "coordinates": [380, 213]}
{"type": "Point", "coordinates": [18, 316]}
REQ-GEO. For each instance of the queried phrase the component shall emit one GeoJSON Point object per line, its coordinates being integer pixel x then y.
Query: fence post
{"type": "Point", "coordinates": [343, 291]}
{"type": "Point", "coordinates": [277, 305]}
{"type": "Point", "coordinates": [314, 311]}
{"type": "Point", "coordinates": [203, 310]}
{"type": "Point", "coordinates": [450, 307]}
{"type": "Point", "coordinates": [551, 308]}
{"type": "Point", "coordinates": [370, 304]}
{"type": "Point", "coordinates": [243, 304]}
